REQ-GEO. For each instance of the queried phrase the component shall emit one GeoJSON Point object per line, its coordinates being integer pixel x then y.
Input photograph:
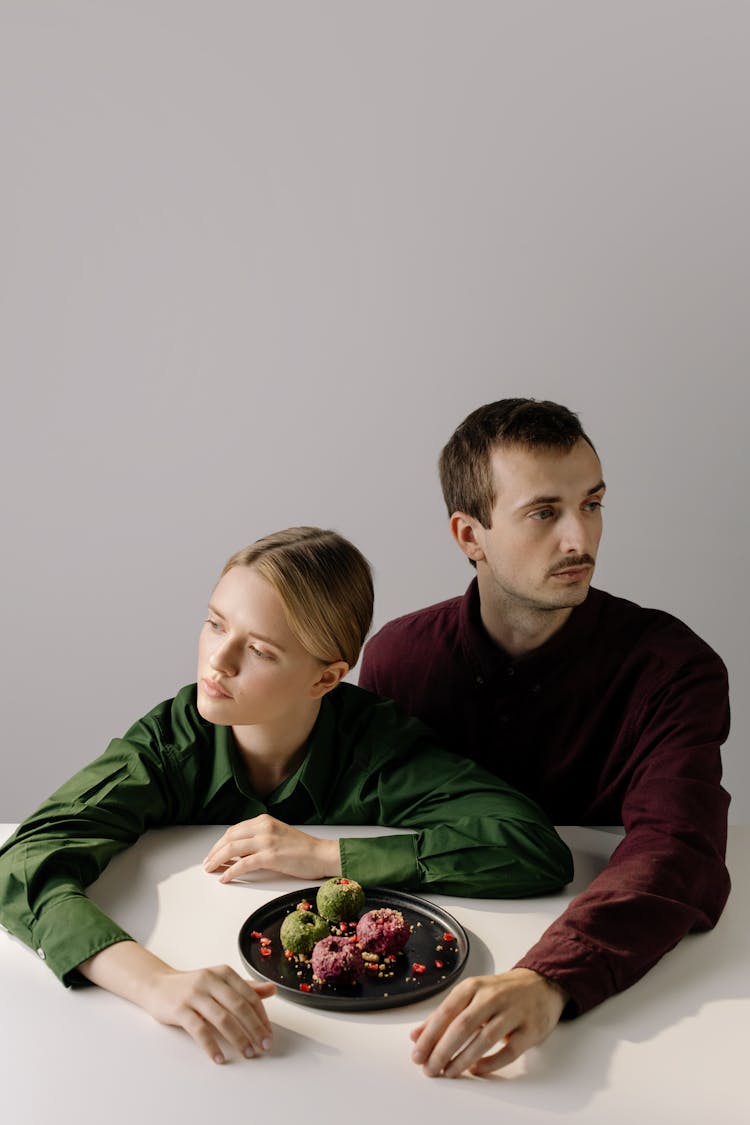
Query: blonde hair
{"type": "Point", "coordinates": [325, 585]}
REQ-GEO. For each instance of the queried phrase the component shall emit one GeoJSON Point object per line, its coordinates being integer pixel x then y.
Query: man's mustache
{"type": "Point", "coordinates": [570, 563]}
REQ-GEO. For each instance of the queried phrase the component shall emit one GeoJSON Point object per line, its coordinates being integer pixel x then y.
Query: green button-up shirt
{"type": "Point", "coordinates": [366, 763]}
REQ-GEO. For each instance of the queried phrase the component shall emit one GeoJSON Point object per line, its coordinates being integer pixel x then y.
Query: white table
{"type": "Point", "coordinates": [674, 1048]}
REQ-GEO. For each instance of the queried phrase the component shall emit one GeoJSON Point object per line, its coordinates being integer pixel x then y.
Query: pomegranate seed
{"type": "Point", "coordinates": [417, 968]}
{"type": "Point", "coordinates": [305, 987]}
{"type": "Point", "coordinates": [344, 881]}
{"type": "Point", "coordinates": [438, 964]}
{"type": "Point", "coordinates": [448, 937]}
{"type": "Point", "coordinates": [343, 926]}
{"type": "Point", "coordinates": [288, 954]}
{"type": "Point", "coordinates": [256, 934]}
{"type": "Point", "coordinates": [305, 905]}
{"type": "Point", "coordinates": [265, 951]}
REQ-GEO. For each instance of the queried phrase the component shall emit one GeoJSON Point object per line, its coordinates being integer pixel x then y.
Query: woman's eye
{"type": "Point", "coordinates": [259, 652]}
{"type": "Point", "coordinates": [215, 625]}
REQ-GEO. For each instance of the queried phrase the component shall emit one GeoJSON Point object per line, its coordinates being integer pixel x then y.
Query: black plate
{"type": "Point", "coordinates": [429, 924]}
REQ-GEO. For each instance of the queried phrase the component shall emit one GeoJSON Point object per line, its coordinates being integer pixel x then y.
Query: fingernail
{"type": "Point", "coordinates": [249, 1053]}
{"type": "Point", "coordinates": [218, 1058]}
{"type": "Point", "coordinates": [417, 1057]}
{"type": "Point", "coordinates": [266, 1044]}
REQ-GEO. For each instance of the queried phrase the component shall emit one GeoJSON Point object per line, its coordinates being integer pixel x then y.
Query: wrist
{"type": "Point", "coordinates": [329, 858]}
{"type": "Point", "coordinates": [555, 991]}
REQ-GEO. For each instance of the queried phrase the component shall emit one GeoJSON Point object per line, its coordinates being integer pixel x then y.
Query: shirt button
{"type": "Point", "coordinates": [510, 670]}
{"type": "Point", "coordinates": [41, 954]}
{"type": "Point", "coordinates": [479, 680]}
{"type": "Point", "coordinates": [536, 688]}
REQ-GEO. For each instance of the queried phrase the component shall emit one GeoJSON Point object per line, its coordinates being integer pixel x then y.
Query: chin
{"type": "Point", "coordinates": [207, 709]}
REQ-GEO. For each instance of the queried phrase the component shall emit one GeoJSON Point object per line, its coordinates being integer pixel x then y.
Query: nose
{"type": "Point", "coordinates": [574, 535]}
{"type": "Point", "coordinates": [222, 659]}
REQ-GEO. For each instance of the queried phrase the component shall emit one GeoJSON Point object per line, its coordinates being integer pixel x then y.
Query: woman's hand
{"type": "Point", "coordinates": [211, 1005]}
{"type": "Point", "coordinates": [265, 843]}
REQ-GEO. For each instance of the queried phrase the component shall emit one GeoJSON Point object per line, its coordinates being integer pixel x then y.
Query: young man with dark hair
{"type": "Point", "coordinates": [605, 713]}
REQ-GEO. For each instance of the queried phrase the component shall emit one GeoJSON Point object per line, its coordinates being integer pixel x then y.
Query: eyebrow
{"type": "Point", "coordinates": [600, 487]}
{"type": "Point", "coordinates": [251, 633]}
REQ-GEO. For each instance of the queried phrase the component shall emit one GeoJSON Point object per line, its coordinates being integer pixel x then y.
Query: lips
{"type": "Point", "coordinates": [573, 574]}
{"type": "Point", "coordinates": [214, 690]}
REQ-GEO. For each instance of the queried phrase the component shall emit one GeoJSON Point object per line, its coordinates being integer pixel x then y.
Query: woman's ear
{"type": "Point", "coordinates": [465, 530]}
{"type": "Point", "coordinates": [330, 676]}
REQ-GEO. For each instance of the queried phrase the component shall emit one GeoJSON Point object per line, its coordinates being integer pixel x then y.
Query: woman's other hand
{"type": "Point", "coordinates": [265, 843]}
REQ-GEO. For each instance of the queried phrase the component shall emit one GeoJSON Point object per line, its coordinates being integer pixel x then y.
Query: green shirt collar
{"type": "Point", "coordinates": [315, 774]}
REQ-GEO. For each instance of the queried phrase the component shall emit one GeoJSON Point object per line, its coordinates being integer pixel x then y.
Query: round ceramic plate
{"type": "Point", "coordinates": [438, 946]}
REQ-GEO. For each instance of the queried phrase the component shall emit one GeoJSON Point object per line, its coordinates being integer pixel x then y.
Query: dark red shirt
{"type": "Point", "coordinates": [617, 720]}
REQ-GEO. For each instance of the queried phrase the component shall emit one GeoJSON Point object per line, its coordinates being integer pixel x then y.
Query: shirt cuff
{"type": "Point", "coordinates": [381, 860]}
{"type": "Point", "coordinates": [70, 931]}
{"type": "Point", "coordinates": [576, 968]}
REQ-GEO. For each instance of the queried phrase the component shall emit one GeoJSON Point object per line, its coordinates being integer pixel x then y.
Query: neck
{"type": "Point", "coordinates": [516, 627]}
{"type": "Point", "coordinates": [271, 752]}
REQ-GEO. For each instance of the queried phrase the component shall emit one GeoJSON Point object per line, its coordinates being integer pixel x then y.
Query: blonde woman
{"type": "Point", "coordinates": [267, 738]}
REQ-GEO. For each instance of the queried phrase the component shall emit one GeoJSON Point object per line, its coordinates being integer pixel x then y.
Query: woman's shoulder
{"type": "Point", "coordinates": [374, 723]}
{"type": "Point", "coordinates": [174, 723]}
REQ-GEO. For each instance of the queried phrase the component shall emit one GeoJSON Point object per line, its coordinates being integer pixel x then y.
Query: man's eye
{"type": "Point", "coordinates": [543, 514]}
{"type": "Point", "coordinates": [594, 506]}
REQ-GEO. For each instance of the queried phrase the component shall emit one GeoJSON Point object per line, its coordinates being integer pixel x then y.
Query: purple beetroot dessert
{"type": "Point", "coordinates": [383, 931]}
{"type": "Point", "coordinates": [337, 960]}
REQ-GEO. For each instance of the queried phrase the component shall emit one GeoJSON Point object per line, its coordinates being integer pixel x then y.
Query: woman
{"type": "Point", "coordinates": [268, 737]}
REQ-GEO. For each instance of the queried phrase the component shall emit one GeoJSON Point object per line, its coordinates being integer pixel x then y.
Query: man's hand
{"type": "Point", "coordinates": [265, 843]}
{"type": "Point", "coordinates": [211, 1005]}
{"type": "Point", "coordinates": [517, 1009]}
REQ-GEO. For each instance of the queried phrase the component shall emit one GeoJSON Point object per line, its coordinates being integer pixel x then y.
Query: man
{"type": "Point", "coordinates": [603, 712]}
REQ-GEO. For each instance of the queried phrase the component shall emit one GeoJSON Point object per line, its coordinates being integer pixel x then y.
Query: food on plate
{"type": "Point", "coordinates": [383, 931]}
{"type": "Point", "coordinates": [301, 929]}
{"type": "Point", "coordinates": [337, 960]}
{"type": "Point", "coordinates": [339, 899]}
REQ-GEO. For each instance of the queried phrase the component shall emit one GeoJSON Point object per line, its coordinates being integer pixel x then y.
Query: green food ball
{"type": "Point", "coordinates": [340, 900]}
{"type": "Point", "coordinates": [301, 929]}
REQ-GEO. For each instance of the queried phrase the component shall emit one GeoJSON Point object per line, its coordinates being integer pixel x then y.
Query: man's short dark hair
{"type": "Point", "coordinates": [466, 461]}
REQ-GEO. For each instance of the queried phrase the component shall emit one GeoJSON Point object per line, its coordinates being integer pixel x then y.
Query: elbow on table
{"type": "Point", "coordinates": [549, 861]}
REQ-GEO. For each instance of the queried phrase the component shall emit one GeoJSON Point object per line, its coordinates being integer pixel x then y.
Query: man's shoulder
{"type": "Point", "coordinates": [647, 627]}
{"type": "Point", "coordinates": [442, 616]}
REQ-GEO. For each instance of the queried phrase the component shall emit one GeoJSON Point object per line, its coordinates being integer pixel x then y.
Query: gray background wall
{"type": "Point", "coordinates": [258, 260]}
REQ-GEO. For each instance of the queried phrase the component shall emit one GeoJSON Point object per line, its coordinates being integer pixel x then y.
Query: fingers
{"type": "Point", "coordinates": [466, 1040]}
{"type": "Point", "coordinates": [228, 852]}
{"type": "Point", "coordinates": [236, 841]}
{"type": "Point", "coordinates": [448, 1015]}
{"type": "Point", "coordinates": [222, 1007]}
{"type": "Point", "coordinates": [512, 1049]}
{"type": "Point", "coordinates": [474, 1052]}
{"type": "Point", "coordinates": [245, 866]}
{"type": "Point", "coordinates": [517, 1009]}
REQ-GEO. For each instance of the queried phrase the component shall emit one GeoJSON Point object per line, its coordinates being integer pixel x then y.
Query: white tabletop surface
{"type": "Point", "coordinates": [673, 1048]}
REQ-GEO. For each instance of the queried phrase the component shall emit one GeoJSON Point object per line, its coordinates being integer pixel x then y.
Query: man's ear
{"type": "Point", "coordinates": [467, 533]}
{"type": "Point", "coordinates": [330, 676]}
